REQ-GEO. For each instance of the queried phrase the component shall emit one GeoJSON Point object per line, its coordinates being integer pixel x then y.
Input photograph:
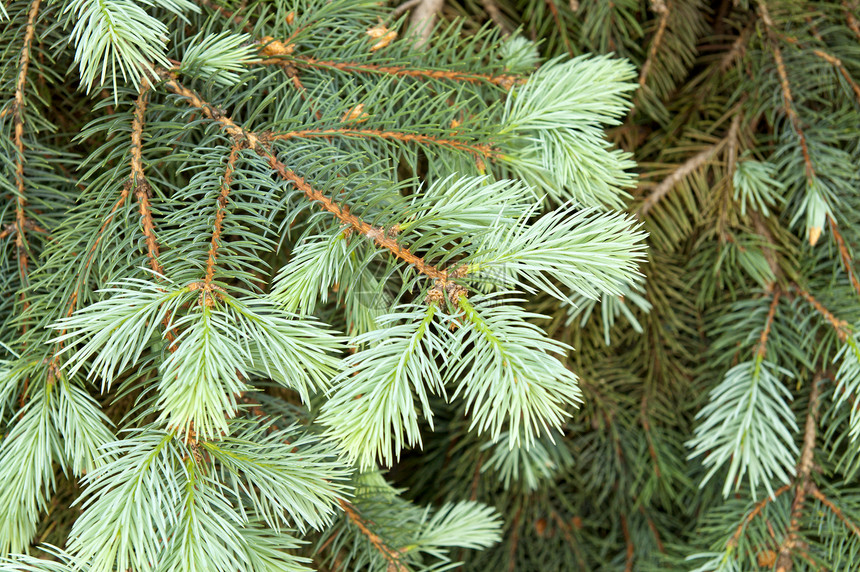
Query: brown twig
{"type": "Point", "coordinates": [667, 184]}
{"type": "Point", "coordinates": [655, 44]}
{"type": "Point", "coordinates": [21, 243]}
{"type": "Point", "coordinates": [220, 211]}
{"type": "Point", "coordinates": [755, 512]}
{"type": "Point", "coordinates": [693, 163]}
{"type": "Point", "coordinates": [788, 98]}
{"type": "Point", "coordinates": [762, 341]}
{"type": "Point", "coordinates": [506, 80]}
{"type": "Point", "coordinates": [801, 483]}
{"type": "Point", "coordinates": [844, 255]}
{"type": "Point", "coordinates": [568, 535]}
{"type": "Point", "coordinates": [495, 14]}
{"type": "Point", "coordinates": [477, 149]}
{"type": "Point", "coordinates": [814, 491]}
{"type": "Point", "coordinates": [841, 326]}
{"type": "Point", "coordinates": [850, 19]}
{"type": "Point", "coordinates": [515, 540]}
{"type": "Point", "coordinates": [628, 541]}
{"type": "Point", "coordinates": [138, 180]}
{"type": "Point", "coordinates": [423, 20]}
{"type": "Point", "coordinates": [653, 528]}
{"type": "Point", "coordinates": [395, 563]}
{"type": "Point", "coordinates": [553, 9]}
{"type": "Point", "coordinates": [256, 143]}
{"type": "Point", "coordinates": [830, 59]}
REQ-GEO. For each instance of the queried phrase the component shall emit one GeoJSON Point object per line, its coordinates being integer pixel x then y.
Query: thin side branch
{"type": "Point", "coordinates": [677, 175]}
{"type": "Point", "coordinates": [755, 512]}
{"type": "Point", "coordinates": [841, 326]}
{"type": "Point", "coordinates": [849, 524]}
{"type": "Point", "coordinates": [137, 180]}
{"type": "Point", "coordinates": [392, 556]}
{"type": "Point", "coordinates": [505, 81]}
{"type": "Point", "coordinates": [788, 98]}
{"type": "Point", "coordinates": [553, 9]}
{"type": "Point", "coordinates": [655, 45]}
{"type": "Point", "coordinates": [515, 540]}
{"type": "Point", "coordinates": [220, 211]}
{"type": "Point", "coordinates": [477, 149]}
{"type": "Point", "coordinates": [830, 59]}
{"type": "Point", "coordinates": [802, 483]}
{"type": "Point", "coordinates": [762, 341]}
{"type": "Point", "coordinates": [850, 9]}
{"type": "Point", "coordinates": [628, 541]}
{"type": "Point", "coordinates": [844, 255]}
{"type": "Point", "coordinates": [21, 244]}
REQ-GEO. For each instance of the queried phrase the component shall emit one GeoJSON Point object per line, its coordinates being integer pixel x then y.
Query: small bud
{"type": "Point", "coordinates": [291, 17]}
{"type": "Point", "coordinates": [455, 124]}
{"type": "Point", "coordinates": [814, 234]}
{"type": "Point", "coordinates": [383, 35]}
{"type": "Point", "coordinates": [766, 558]}
{"type": "Point", "coordinates": [273, 47]}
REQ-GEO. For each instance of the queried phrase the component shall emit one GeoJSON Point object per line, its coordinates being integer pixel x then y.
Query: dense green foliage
{"type": "Point", "coordinates": [303, 285]}
{"type": "Point", "coordinates": [249, 251]}
{"type": "Point", "coordinates": [719, 424]}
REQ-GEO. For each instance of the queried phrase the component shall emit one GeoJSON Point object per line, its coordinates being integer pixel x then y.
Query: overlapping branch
{"type": "Point", "coordinates": [138, 181]}
{"type": "Point", "coordinates": [788, 98]}
{"type": "Point", "coordinates": [505, 81]}
{"type": "Point", "coordinates": [476, 149]}
{"type": "Point", "coordinates": [762, 342]}
{"type": "Point", "coordinates": [220, 211]}
{"type": "Point", "coordinates": [841, 326]}
{"type": "Point", "coordinates": [258, 144]}
{"type": "Point", "coordinates": [656, 42]}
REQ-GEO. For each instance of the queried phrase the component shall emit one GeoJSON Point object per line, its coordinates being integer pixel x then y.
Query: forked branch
{"type": "Point", "coordinates": [259, 144]}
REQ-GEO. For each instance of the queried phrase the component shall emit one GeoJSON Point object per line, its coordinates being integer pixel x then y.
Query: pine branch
{"type": "Point", "coordinates": [391, 555]}
{"type": "Point", "coordinates": [667, 184]}
{"type": "Point", "coordinates": [628, 542]}
{"type": "Point", "coordinates": [220, 211]}
{"type": "Point", "coordinates": [556, 17]}
{"type": "Point", "coordinates": [515, 538]}
{"type": "Point", "coordinates": [477, 149]}
{"type": "Point", "coordinates": [655, 43]}
{"type": "Point", "coordinates": [801, 482]}
{"type": "Point", "coordinates": [844, 255]}
{"type": "Point", "coordinates": [505, 81]}
{"type": "Point", "coordinates": [830, 59]}
{"type": "Point", "coordinates": [849, 524]}
{"type": "Point", "coordinates": [762, 342]}
{"type": "Point", "coordinates": [21, 244]}
{"type": "Point", "coordinates": [257, 144]}
{"type": "Point", "coordinates": [423, 19]}
{"type": "Point", "coordinates": [138, 181]}
{"type": "Point", "coordinates": [850, 10]}
{"type": "Point", "coordinates": [841, 326]}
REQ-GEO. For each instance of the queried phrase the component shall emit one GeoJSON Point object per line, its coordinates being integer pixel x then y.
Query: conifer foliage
{"type": "Point", "coordinates": [253, 252]}
{"type": "Point", "coordinates": [720, 419]}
